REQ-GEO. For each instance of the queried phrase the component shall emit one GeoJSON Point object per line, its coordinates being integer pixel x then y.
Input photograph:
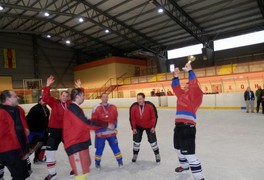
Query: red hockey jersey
{"type": "Point", "coordinates": [8, 137]}
{"type": "Point", "coordinates": [107, 113]}
{"type": "Point", "coordinates": [187, 101]}
{"type": "Point", "coordinates": [58, 108]}
{"type": "Point", "coordinates": [76, 129]}
{"type": "Point", "coordinates": [146, 117]}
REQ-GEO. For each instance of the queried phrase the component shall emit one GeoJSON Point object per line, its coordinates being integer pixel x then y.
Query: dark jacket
{"type": "Point", "coordinates": [247, 95]}
{"type": "Point", "coordinates": [38, 118]}
{"type": "Point", "coordinates": [262, 95]}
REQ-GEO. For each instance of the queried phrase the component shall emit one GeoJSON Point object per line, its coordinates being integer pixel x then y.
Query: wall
{"type": "Point", "coordinates": [95, 77]}
{"type": "Point", "coordinates": [96, 73]}
{"type": "Point", "coordinates": [210, 101]}
{"type": "Point", "coordinates": [213, 84]}
{"type": "Point", "coordinates": [53, 58]}
{"type": "Point", "coordinates": [217, 101]}
{"type": "Point", "coordinates": [5, 83]}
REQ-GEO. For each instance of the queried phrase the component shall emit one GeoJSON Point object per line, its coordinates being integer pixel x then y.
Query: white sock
{"type": "Point", "coordinates": [195, 166]}
{"type": "Point", "coordinates": [51, 161]}
{"type": "Point", "coordinates": [182, 159]}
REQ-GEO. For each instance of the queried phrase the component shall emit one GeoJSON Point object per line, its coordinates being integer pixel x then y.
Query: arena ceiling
{"type": "Point", "coordinates": [131, 24]}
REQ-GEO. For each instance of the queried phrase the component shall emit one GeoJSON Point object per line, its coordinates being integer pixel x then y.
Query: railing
{"type": "Point", "coordinates": [217, 79]}
{"type": "Point", "coordinates": [227, 69]}
{"type": "Point", "coordinates": [108, 87]}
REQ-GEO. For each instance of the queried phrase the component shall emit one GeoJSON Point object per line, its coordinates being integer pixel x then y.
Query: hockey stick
{"type": "Point", "coordinates": [38, 145]}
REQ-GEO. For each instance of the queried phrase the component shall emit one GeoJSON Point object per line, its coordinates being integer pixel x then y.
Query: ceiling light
{"type": "Point", "coordinates": [46, 14]}
{"type": "Point", "coordinates": [1, 8]}
{"type": "Point", "coordinates": [48, 36]}
{"type": "Point", "coordinates": [160, 10]}
{"type": "Point", "coordinates": [68, 42]}
{"type": "Point", "coordinates": [81, 19]}
{"type": "Point", "coordinates": [107, 31]}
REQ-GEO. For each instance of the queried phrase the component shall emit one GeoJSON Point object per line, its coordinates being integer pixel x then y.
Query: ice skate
{"type": "Point", "coordinates": [98, 166]}
{"type": "Point", "coordinates": [120, 164]}
{"type": "Point", "coordinates": [180, 169]}
{"type": "Point", "coordinates": [157, 156]}
{"type": "Point", "coordinates": [51, 177]}
{"type": "Point", "coordinates": [71, 173]}
{"type": "Point", "coordinates": [134, 159]}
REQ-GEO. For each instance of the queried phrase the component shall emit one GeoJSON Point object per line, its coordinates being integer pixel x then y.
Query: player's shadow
{"type": "Point", "coordinates": [137, 167]}
{"type": "Point", "coordinates": [184, 176]}
{"type": "Point", "coordinates": [140, 165]}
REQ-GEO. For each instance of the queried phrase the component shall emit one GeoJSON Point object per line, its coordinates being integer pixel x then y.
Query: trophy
{"type": "Point", "coordinates": [190, 58]}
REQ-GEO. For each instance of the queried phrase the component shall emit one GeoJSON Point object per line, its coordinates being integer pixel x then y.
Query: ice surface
{"type": "Point", "coordinates": [229, 144]}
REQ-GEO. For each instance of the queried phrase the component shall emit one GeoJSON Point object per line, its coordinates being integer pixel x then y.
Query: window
{"type": "Point", "coordinates": [185, 51]}
{"type": "Point", "coordinates": [239, 41]}
{"type": "Point", "coordinates": [172, 67]}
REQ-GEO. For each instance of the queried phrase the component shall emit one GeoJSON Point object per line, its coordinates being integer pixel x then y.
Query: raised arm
{"type": "Point", "coordinates": [46, 97]}
{"type": "Point", "coordinates": [176, 87]}
{"type": "Point", "coordinates": [195, 92]}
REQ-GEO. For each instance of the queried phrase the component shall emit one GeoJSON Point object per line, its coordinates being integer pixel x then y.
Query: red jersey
{"type": "Point", "coordinates": [105, 113]}
{"type": "Point", "coordinates": [8, 137]}
{"type": "Point", "coordinates": [58, 108]}
{"type": "Point", "coordinates": [145, 116]}
{"type": "Point", "coordinates": [76, 129]}
{"type": "Point", "coordinates": [187, 101]}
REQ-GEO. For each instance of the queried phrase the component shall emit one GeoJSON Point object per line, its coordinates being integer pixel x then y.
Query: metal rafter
{"type": "Point", "coordinates": [57, 8]}
{"type": "Point", "coordinates": [116, 26]}
{"type": "Point", "coordinates": [70, 19]}
{"type": "Point", "coordinates": [63, 27]}
{"type": "Point", "coordinates": [119, 28]}
{"type": "Point", "coordinates": [69, 7]}
{"type": "Point", "coordinates": [120, 14]}
{"type": "Point", "coordinates": [11, 22]}
{"type": "Point", "coordinates": [261, 6]}
{"type": "Point", "coordinates": [120, 4]}
{"type": "Point", "coordinates": [176, 13]}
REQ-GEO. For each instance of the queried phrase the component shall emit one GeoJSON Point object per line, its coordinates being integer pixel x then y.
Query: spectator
{"type": "Point", "coordinates": [262, 100]}
{"type": "Point", "coordinates": [162, 93]}
{"type": "Point", "coordinates": [152, 93]}
{"type": "Point", "coordinates": [169, 93]}
{"type": "Point", "coordinates": [258, 96]}
{"type": "Point", "coordinates": [158, 93]}
{"type": "Point", "coordinates": [249, 98]}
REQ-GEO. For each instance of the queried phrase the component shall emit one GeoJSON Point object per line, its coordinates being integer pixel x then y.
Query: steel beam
{"type": "Point", "coordinates": [89, 38]}
{"type": "Point", "coordinates": [177, 14]}
{"type": "Point", "coordinates": [261, 6]}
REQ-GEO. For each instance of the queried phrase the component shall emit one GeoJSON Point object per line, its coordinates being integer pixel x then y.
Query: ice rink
{"type": "Point", "coordinates": [229, 144]}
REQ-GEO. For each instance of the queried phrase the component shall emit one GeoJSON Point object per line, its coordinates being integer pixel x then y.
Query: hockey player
{"type": "Point", "coordinates": [55, 124]}
{"type": "Point", "coordinates": [13, 136]}
{"type": "Point", "coordinates": [107, 113]}
{"type": "Point", "coordinates": [38, 119]}
{"type": "Point", "coordinates": [143, 117]}
{"type": "Point", "coordinates": [188, 101]}
{"type": "Point", "coordinates": [76, 135]}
